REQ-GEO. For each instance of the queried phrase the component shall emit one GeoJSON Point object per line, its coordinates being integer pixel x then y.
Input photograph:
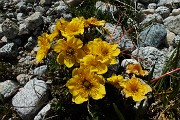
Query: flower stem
{"type": "Point", "coordinates": [168, 73]}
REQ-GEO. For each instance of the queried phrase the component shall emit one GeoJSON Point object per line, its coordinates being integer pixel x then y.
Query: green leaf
{"type": "Point", "coordinates": [118, 112]}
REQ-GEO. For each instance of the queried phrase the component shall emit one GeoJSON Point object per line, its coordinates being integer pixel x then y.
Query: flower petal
{"type": "Point", "coordinates": [79, 99]}
{"type": "Point", "coordinates": [69, 61]}
{"type": "Point", "coordinates": [98, 93]}
{"type": "Point", "coordinates": [42, 52]}
{"type": "Point", "coordinates": [60, 59]}
{"type": "Point", "coordinates": [60, 46]}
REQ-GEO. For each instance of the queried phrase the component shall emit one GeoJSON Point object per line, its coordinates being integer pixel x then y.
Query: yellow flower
{"type": "Point", "coordinates": [60, 25]}
{"type": "Point", "coordinates": [136, 69]}
{"type": "Point", "coordinates": [44, 46]}
{"type": "Point", "coordinates": [135, 88]}
{"type": "Point", "coordinates": [53, 36]}
{"type": "Point", "coordinates": [105, 52]}
{"type": "Point", "coordinates": [115, 80]}
{"type": "Point", "coordinates": [70, 51]}
{"type": "Point", "coordinates": [90, 61]}
{"type": "Point", "coordinates": [69, 29]}
{"type": "Point", "coordinates": [94, 22]}
{"type": "Point", "coordinates": [85, 84]}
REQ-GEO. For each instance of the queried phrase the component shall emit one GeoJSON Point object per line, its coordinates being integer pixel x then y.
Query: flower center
{"type": "Point", "coordinates": [134, 88]}
{"type": "Point", "coordinates": [105, 51]}
{"type": "Point", "coordinates": [87, 84]}
{"type": "Point", "coordinates": [70, 52]}
{"type": "Point", "coordinates": [137, 67]}
{"type": "Point", "coordinates": [74, 28]}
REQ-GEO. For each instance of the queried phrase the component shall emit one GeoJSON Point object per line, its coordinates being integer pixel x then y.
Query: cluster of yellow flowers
{"type": "Point", "coordinates": [92, 58]}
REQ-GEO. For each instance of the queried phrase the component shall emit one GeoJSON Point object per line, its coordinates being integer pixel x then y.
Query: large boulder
{"type": "Point", "coordinates": [30, 99]}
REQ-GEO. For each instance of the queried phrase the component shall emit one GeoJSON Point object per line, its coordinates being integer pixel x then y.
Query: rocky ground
{"type": "Point", "coordinates": [21, 21]}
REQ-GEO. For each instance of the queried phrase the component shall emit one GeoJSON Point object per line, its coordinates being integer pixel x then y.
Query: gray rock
{"type": "Point", "coordinates": [62, 8]}
{"type": "Point", "coordinates": [176, 40]}
{"type": "Point", "coordinates": [8, 88]}
{"type": "Point", "coordinates": [21, 7]}
{"type": "Point", "coordinates": [51, 28]}
{"type": "Point", "coordinates": [10, 15]}
{"type": "Point", "coordinates": [150, 56]}
{"type": "Point", "coordinates": [16, 1]}
{"type": "Point", "coordinates": [172, 24]}
{"type": "Point", "coordinates": [148, 11]}
{"type": "Point", "coordinates": [10, 29]}
{"type": "Point", "coordinates": [28, 101]}
{"type": "Point", "coordinates": [23, 29]}
{"type": "Point", "coordinates": [153, 35]}
{"type": "Point", "coordinates": [39, 9]}
{"type": "Point", "coordinates": [33, 21]}
{"type": "Point", "coordinates": [148, 1]}
{"type": "Point", "coordinates": [56, 4]}
{"type": "Point", "coordinates": [41, 115]}
{"type": "Point", "coordinates": [170, 37]}
{"type": "Point", "coordinates": [176, 12]}
{"type": "Point", "coordinates": [105, 7]}
{"type": "Point", "coordinates": [169, 3]}
{"type": "Point", "coordinates": [29, 1]}
{"type": "Point", "coordinates": [45, 2]}
{"type": "Point", "coordinates": [1, 4]}
{"type": "Point", "coordinates": [20, 16]}
{"type": "Point", "coordinates": [25, 61]}
{"type": "Point", "coordinates": [1, 32]}
{"type": "Point", "coordinates": [67, 16]}
{"type": "Point", "coordinates": [152, 17]}
{"type": "Point", "coordinates": [47, 20]}
{"type": "Point", "coordinates": [32, 41]}
{"type": "Point", "coordinates": [2, 19]}
{"type": "Point", "coordinates": [162, 2]}
{"type": "Point", "coordinates": [51, 11]}
{"type": "Point", "coordinates": [40, 70]}
{"type": "Point", "coordinates": [163, 11]}
{"type": "Point", "coordinates": [117, 36]}
{"type": "Point", "coordinates": [152, 6]}
{"type": "Point", "coordinates": [23, 78]}
{"type": "Point", "coordinates": [73, 2]}
{"type": "Point", "coordinates": [9, 51]}
{"type": "Point", "coordinates": [125, 62]}
{"type": "Point", "coordinates": [140, 6]}
{"type": "Point", "coordinates": [4, 39]}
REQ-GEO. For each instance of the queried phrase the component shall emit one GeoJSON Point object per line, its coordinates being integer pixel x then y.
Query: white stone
{"type": "Point", "coordinates": [148, 11]}
{"type": "Point", "coordinates": [125, 62]}
{"type": "Point", "coordinates": [152, 6]}
{"type": "Point", "coordinates": [118, 36]}
{"type": "Point", "coordinates": [45, 2]}
{"type": "Point", "coordinates": [43, 112]}
{"type": "Point", "coordinates": [105, 7]}
{"type": "Point", "coordinates": [170, 36]}
{"type": "Point", "coordinates": [40, 70]}
{"type": "Point", "coordinates": [8, 88]}
{"type": "Point", "coordinates": [176, 12]}
{"type": "Point", "coordinates": [172, 23]}
{"type": "Point", "coordinates": [163, 11]}
{"type": "Point", "coordinates": [10, 29]}
{"type": "Point", "coordinates": [150, 56]}
{"type": "Point", "coordinates": [33, 21]}
{"type": "Point", "coordinates": [23, 78]}
{"type": "Point", "coordinates": [23, 29]}
{"type": "Point", "coordinates": [28, 101]}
